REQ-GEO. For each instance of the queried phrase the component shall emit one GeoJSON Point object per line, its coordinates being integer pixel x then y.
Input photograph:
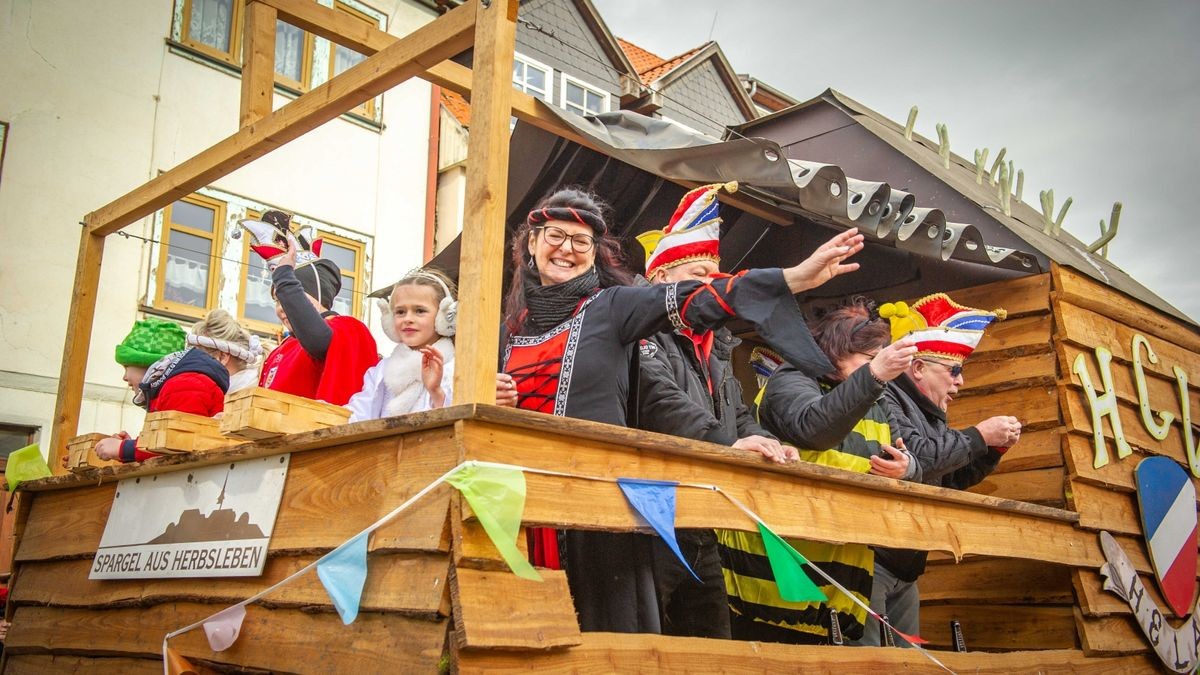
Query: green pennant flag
{"type": "Point", "coordinates": [25, 464]}
{"type": "Point", "coordinates": [497, 496]}
{"type": "Point", "coordinates": [794, 584]}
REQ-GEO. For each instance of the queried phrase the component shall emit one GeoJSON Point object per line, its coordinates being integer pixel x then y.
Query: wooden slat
{"type": "Point", "coordinates": [1162, 390]}
{"type": "Point", "coordinates": [1018, 297]}
{"type": "Point", "coordinates": [1009, 373]}
{"type": "Point", "coordinates": [408, 57]}
{"type": "Point", "coordinates": [991, 581]}
{"type": "Point", "coordinates": [793, 504]}
{"type": "Point", "coordinates": [1035, 450]}
{"type": "Point", "coordinates": [481, 266]}
{"type": "Point", "coordinates": [1001, 626]}
{"type": "Point", "coordinates": [611, 652]}
{"type": "Point", "coordinates": [499, 610]}
{"type": "Point", "coordinates": [1089, 329]}
{"type": "Point", "coordinates": [1111, 636]}
{"type": "Point", "coordinates": [409, 583]}
{"type": "Point", "coordinates": [1116, 475]}
{"type": "Point", "coordinates": [1078, 419]}
{"type": "Point", "coordinates": [359, 483]}
{"type": "Point", "coordinates": [1035, 407]}
{"type": "Point", "coordinates": [1095, 602]}
{"type": "Point", "coordinates": [1101, 509]}
{"type": "Point", "coordinates": [1004, 339]}
{"type": "Point", "coordinates": [64, 663]}
{"type": "Point", "coordinates": [258, 63]}
{"type": "Point", "coordinates": [1040, 486]}
{"type": "Point", "coordinates": [1073, 287]}
{"type": "Point", "coordinates": [77, 341]}
{"type": "Point", "coordinates": [271, 639]}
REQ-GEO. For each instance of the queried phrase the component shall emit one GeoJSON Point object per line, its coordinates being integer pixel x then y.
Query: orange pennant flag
{"type": "Point", "coordinates": [177, 665]}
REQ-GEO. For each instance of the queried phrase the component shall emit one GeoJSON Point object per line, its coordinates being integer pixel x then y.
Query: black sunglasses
{"type": "Point", "coordinates": [955, 370]}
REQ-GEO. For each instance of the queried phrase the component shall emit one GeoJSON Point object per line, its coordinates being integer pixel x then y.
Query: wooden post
{"type": "Point", "coordinates": [482, 260]}
{"type": "Point", "coordinates": [258, 63]}
{"type": "Point", "coordinates": [75, 348]}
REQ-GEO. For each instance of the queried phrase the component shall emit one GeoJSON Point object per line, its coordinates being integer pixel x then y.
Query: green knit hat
{"type": "Point", "coordinates": [150, 340]}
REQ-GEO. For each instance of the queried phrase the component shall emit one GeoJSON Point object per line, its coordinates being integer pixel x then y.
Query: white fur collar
{"type": "Point", "coordinates": [402, 374]}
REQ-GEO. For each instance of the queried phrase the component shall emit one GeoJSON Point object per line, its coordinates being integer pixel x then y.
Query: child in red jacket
{"type": "Point", "coordinates": [165, 376]}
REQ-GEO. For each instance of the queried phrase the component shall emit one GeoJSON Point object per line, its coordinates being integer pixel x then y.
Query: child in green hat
{"type": "Point", "coordinates": [165, 375]}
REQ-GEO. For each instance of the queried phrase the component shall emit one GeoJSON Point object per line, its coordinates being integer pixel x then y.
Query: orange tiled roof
{"type": "Point", "coordinates": [641, 59]}
{"type": "Point", "coordinates": [650, 66]}
{"type": "Point", "coordinates": [458, 106]}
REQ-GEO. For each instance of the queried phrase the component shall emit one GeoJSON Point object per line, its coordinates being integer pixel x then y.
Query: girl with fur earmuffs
{"type": "Point", "coordinates": [419, 316]}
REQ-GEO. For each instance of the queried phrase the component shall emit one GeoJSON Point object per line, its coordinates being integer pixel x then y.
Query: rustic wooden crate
{"type": "Point", "coordinates": [254, 414]}
{"type": "Point", "coordinates": [172, 432]}
{"type": "Point", "coordinates": [81, 453]}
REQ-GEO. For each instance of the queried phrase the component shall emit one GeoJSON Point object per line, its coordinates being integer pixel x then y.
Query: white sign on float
{"type": "Point", "coordinates": [214, 521]}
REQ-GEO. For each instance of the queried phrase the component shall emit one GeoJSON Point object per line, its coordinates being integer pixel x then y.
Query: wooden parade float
{"type": "Point", "coordinates": [1016, 561]}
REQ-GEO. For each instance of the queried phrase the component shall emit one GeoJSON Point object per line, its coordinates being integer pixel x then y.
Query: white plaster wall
{"type": "Point", "coordinates": [97, 105]}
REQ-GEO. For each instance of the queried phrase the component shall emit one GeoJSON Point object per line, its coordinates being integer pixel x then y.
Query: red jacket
{"type": "Point", "coordinates": [195, 387]}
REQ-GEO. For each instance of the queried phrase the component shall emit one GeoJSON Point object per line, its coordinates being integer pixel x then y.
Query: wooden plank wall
{"type": "Point", "coordinates": [1089, 315]}
{"type": "Point", "coordinates": [64, 620]}
{"type": "Point", "coordinates": [1005, 603]}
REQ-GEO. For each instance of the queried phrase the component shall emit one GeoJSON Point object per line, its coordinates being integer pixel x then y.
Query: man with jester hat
{"type": "Point", "coordinates": [687, 388]}
{"type": "Point", "coordinates": [945, 333]}
{"type": "Point", "coordinates": [326, 354]}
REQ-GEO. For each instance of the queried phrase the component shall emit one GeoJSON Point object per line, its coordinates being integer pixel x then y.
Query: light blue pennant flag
{"type": "Point", "coordinates": [344, 572]}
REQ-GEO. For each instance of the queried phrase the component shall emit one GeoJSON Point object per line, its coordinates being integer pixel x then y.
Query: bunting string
{"type": "Point", "coordinates": [223, 626]}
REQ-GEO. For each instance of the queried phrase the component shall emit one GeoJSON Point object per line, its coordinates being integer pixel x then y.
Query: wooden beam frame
{"type": "Point", "coordinates": [406, 57]}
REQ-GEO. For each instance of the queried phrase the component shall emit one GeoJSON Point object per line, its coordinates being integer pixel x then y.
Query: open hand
{"type": "Point", "coordinates": [825, 263]}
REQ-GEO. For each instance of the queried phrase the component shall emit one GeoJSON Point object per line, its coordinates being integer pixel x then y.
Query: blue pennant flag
{"type": "Point", "coordinates": [654, 500]}
{"type": "Point", "coordinates": [344, 572]}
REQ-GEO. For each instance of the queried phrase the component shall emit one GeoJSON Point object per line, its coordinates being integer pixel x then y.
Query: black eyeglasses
{"type": "Point", "coordinates": [580, 243]}
{"type": "Point", "coordinates": [954, 370]}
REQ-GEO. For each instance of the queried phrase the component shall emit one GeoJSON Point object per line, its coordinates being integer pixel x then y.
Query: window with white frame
{"type": "Point", "coordinates": [580, 97]}
{"type": "Point", "coordinates": [532, 77]}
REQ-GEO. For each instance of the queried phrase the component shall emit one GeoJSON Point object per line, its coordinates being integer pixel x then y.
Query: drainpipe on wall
{"type": "Point", "coordinates": [431, 173]}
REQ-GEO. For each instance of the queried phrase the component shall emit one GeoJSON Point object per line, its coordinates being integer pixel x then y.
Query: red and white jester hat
{"type": "Point", "coordinates": [693, 233]}
{"type": "Point", "coordinates": [942, 328]}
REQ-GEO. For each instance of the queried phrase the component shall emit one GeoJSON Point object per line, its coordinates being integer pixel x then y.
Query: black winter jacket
{"type": "Point", "coordinates": [795, 407]}
{"type": "Point", "coordinates": [947, 458]}
{"type": "Point", "coordinates": [673, 397]}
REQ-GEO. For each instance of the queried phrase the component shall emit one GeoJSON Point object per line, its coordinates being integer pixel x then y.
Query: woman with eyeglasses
{"type": "Point", "coordinates": [837, 420]}
{"type": "Point", "coordinates": [571, 328]}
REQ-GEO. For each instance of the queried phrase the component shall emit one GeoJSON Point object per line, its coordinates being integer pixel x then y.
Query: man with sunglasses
{"type": "Point", "coordinates": [946, 333]}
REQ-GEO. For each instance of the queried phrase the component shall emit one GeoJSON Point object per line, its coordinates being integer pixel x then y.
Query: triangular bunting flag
{"type": "Point", "coordinates": [654, 500]}
{"type": "Point", "coordinates": [177, 665]}
{"type": "Point", "coordinates": [794, 584]}
{"type": "Point", "coordinates": [497, 496]}
{"type": "Point", "coordinates": [25, 464]}
{"type": "Point", "coordinates": [224, 627]}
{"type": "Point", "coordinates": [343, 573]}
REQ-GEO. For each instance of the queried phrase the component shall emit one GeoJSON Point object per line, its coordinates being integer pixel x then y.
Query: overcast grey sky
{"type": "Point", "coordinates": [1097, 99]}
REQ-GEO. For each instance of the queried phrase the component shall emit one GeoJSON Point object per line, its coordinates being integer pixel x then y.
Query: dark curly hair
{"type": "Point", "coordinates": [610, 257]}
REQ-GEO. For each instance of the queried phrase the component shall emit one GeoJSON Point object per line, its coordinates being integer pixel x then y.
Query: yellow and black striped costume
{"type": "Point", "coordinates": [750, 583]}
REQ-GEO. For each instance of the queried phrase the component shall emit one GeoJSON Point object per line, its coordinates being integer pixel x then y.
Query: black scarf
{"type": "Point", "coordinates": [549, 306]}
